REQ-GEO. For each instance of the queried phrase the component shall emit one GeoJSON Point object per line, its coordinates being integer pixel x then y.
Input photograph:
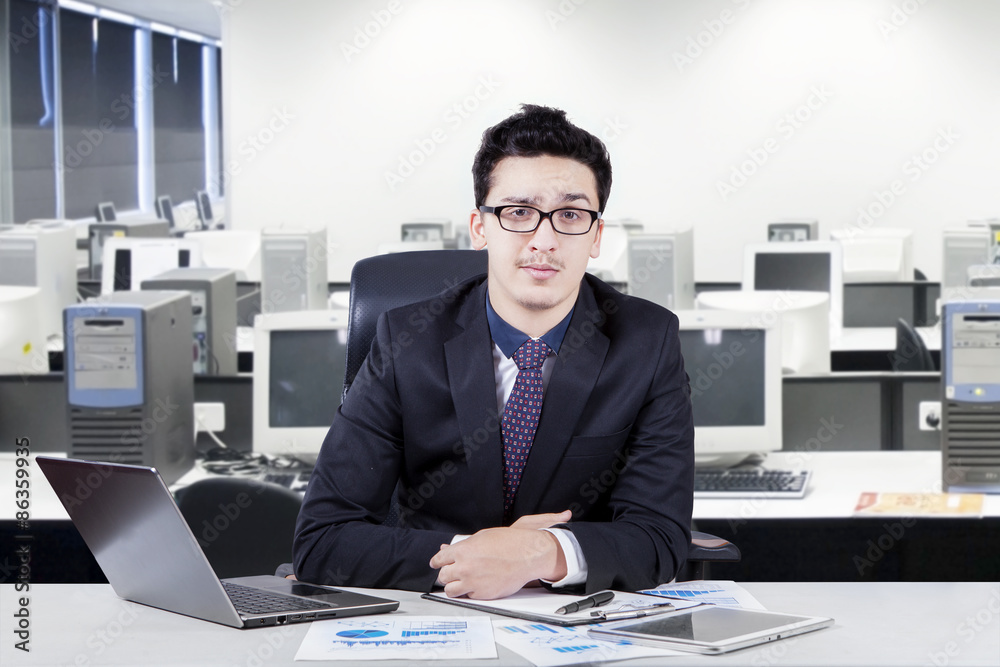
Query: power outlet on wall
{"type": "Point", "coordinates": [930, 415]}
{"type": "Point", "coordinates": [210, 417]}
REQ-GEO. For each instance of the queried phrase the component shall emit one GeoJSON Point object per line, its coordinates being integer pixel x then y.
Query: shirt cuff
{"type": "Point", "coordinates": [576, 564]}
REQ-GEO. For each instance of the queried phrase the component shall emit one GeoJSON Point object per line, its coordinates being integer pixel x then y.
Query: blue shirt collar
{"type": "Point", "coordinates": [508, 339]}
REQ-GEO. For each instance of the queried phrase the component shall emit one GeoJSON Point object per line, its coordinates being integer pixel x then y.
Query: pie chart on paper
{"type": "Point", "coordinates": [362, 634]}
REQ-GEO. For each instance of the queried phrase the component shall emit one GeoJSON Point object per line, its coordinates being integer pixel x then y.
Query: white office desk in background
{"type": "Point", "coordinates": [838, 480]}
{"type": "Point", "coordinates": [879, 339]}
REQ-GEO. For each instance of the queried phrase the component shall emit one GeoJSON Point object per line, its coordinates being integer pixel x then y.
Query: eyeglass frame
{"type": "Point", "coordinates": [542, 215]}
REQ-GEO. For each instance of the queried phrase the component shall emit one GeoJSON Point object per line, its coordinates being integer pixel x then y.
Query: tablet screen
{"type": "Point", "coordinates": [713, 624]}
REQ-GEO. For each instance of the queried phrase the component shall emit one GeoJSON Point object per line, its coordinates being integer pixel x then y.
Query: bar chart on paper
{"type": "Point", "coordinates": [553, 645]}
{"type": "Point", "coordinates": [414, 637]}
{"type": "Point", "coordinates": [722, 593]}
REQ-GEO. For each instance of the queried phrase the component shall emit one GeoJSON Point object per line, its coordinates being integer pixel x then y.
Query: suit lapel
{"type": "Point", "coordinates": [577, 368]}
{"type": "Point", "coordinates": [473, 389]}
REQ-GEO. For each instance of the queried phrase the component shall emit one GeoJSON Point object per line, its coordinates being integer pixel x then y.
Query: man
{"type": "Point", "coordinates": [594, 489]}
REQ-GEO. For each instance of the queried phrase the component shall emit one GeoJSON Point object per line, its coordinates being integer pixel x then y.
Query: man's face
{"type": "Point", "coordinates": [538, 271]}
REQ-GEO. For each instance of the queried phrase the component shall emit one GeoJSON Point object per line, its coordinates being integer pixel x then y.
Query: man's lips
{"type": "Point", "coordinates": [540, 271]}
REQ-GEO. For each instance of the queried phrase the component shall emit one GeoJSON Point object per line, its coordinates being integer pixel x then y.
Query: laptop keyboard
{"type": "Point", "coordinates": [254, 601]}
{"type": "Point", "coordinates": [757, 483]}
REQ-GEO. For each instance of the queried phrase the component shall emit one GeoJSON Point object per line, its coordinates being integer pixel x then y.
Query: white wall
{"type": "Point", "coordinates": [886, 80]}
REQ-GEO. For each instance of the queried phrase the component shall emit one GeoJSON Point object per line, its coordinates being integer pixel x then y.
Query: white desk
{"type": "Point", "coordinates": [876, 624]}
{"type": "Point", "coordinates": [838, 480]}
{"type": "Point", "coordinates": [879, 339]}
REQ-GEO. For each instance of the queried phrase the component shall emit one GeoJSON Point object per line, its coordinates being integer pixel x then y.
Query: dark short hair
{"type": "Point", "coordinates": [537, 130]}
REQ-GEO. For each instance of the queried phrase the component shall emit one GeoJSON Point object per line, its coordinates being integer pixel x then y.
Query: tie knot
{"type": "Point", "coordinates": [531, 354]}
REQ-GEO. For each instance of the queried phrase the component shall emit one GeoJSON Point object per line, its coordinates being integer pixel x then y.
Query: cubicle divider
{"type": "Point", "coordinates": [835, 412]}
{"type": "Point", "coordinates": [858, 411]}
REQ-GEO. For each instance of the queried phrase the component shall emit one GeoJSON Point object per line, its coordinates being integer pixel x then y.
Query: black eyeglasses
{"type": "Point", "coordinates": [522, 219]}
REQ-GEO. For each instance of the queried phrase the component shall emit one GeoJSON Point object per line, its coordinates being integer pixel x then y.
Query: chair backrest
{"type": "Point", "coordinates": [383, 282]}
{"type": "Point", "coordinates": [244, 526]}
{"type": "Point", "coordinates": [911, 353]}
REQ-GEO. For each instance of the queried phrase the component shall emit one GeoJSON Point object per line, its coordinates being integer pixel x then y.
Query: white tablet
{"type": "Point", "coordinates": [710, 629]}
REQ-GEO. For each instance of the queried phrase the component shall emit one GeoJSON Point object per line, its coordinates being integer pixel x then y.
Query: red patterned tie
{"type": "Point", "coordinates": [520, 416]}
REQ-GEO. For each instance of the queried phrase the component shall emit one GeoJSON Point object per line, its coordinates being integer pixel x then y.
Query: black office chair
{"type": "Point", "coordinates": [244, 526]}
{"type": "Point", "coordinates": [383, 282]}
{"type": "Point", "coordinates": [911, 353]}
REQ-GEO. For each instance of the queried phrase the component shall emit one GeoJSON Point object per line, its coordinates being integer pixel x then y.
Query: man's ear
{"type": "Point", "coordinates": [477, 230]}
{"type": "Point", "coordinates": [595, 249]}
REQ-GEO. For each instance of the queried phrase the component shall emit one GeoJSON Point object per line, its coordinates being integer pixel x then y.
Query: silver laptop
{"type": "Point", "coordinates": [128, 518]}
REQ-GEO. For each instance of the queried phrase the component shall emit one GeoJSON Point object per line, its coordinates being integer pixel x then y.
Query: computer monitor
{"type": "Point", "coordinates": [42, 254]}
{"type": "Point", "coordinates": [808, 266]}
{"type": "Point", "coordinates": [876, 255]}
{"type": "Point", "coordinates": [204, 203]}
{"type": "Point", "coordinates": [735, 375]}
{"type": "Point", "coordinates": [793, 230]}
{"type": "Point", "coordinates": [165, 210]}
{"type": "Point", "coordinates": [106, 212]}
{"type": "Point", "coordinates": [129, 261]}
{"type": "Point", "coordinates": [236, 249]}
{"type": "Point", "coordinates": [803, 317]}
{"type": "Point", "coordinates": [298, 380]}
{"type": "Point", "coordinates": [22, 336]}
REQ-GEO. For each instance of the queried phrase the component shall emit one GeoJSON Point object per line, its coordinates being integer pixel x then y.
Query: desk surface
{"type": "Point", "coordinates": [879, 339]}
{"type": "Point", "coordinates": [838, 480]}
{"type": "Point", "coordinates": [875, 624]}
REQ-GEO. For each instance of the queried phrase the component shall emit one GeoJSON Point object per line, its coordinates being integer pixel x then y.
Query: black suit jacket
{"type": "Point", "coordinates": [614, 444]}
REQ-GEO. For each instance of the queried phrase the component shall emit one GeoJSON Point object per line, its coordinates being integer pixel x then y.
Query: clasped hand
{"type": "Point", "coordinates": [496, 562]}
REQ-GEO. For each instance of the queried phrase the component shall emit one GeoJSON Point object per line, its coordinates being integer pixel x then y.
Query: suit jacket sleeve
{"type": "Point", "coordinates": [647, 536]}
{"type": "Point", "coordinates": [339, 539]}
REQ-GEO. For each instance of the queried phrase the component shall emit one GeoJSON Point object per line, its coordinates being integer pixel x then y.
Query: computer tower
{"type": "Point", "coordinates": [129, 385]}
{"type": "Point", "coordinates": [963, 247]}
{"type": "Point", "coordinates": [213, 312]}
{"type": "Point", "coordinates": [793, 230]}
{"type": "Point", "coordinates": [42, 255]}
{"type": "Point", "coordinates": [661, 268]}
{"type": "Point", "coordinates": [970, 374]}
{"type": "Point", "coordinates": [99, 231]}
{"type": "Point", "coordinates": [293, 270]}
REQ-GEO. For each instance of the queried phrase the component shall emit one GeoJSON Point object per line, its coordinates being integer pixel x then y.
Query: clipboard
{"type": "Point", "coordinates": [539, 604]}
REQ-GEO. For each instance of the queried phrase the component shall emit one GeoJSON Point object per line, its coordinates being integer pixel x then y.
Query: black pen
{"type": "Point", "coordinates": [595, 600]}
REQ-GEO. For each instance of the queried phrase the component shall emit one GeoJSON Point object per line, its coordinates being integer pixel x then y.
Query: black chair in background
{"type": "Point", "coordinates": [244, 526]}
{"type": "Point", "coordinates": [911, 353]}
{"type": "Point", "coordinates": [383, 282]}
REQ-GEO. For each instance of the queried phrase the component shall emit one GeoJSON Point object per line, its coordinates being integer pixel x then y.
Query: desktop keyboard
{"type": "Point", "coordinates": [254, 601]}
{"type": "Point", "coordinates": [752, 483]}
{"type": "Point", "coordinates": [295, 479]}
